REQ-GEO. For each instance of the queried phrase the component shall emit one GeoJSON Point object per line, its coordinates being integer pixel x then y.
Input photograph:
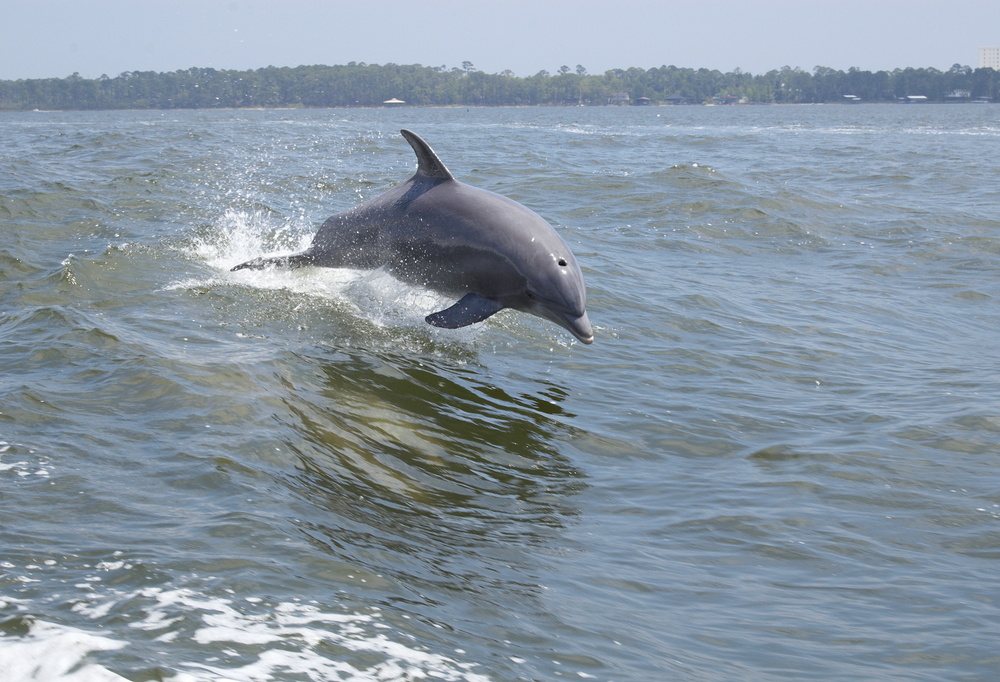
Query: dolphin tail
{"type": "Point", "coordinates": [471, 309]}
{"type": "Point", "coordinates": [297, 260]}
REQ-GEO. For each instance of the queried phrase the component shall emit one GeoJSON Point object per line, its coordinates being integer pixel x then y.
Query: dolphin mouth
{"type": "Point", "coordinates": [580, 328]}
{"type": "Point", "coordinates": [577, 325]}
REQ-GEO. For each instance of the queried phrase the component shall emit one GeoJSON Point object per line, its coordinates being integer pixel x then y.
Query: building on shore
{"type": "Point", "coordinates": [989, 58]}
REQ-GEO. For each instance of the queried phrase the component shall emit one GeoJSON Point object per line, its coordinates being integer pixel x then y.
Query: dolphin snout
{"type": "Point", "coordinates": [580, 328]}
{"type": "Point", "coordinates": [577, 325]}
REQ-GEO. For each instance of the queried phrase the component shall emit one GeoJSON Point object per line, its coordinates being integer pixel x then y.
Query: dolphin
{"type": "Point", "coordinates": [436, 232]}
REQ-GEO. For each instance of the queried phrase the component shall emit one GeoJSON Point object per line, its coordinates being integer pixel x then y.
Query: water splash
{"type": "Point", "coordinates": [239, 236]}
{"type": "Point", "coordinates": [373, 295]}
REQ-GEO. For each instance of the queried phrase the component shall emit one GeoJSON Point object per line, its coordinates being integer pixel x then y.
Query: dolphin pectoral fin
{"type": "Point", "coordinates": [294, 261]}
{"type": "Point", "coordinates": [471, 309]}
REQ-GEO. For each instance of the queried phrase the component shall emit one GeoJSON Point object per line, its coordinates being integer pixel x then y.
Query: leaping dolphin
{"type": "Point", "coordinates": [436, 232]}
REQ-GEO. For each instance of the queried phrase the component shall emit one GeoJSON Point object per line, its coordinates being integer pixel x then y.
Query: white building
{"type": "Point", "coordinates": [989, 57]}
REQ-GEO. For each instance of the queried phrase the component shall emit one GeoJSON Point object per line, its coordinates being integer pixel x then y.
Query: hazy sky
{"type": "Point", "coordinates": [54, 38]}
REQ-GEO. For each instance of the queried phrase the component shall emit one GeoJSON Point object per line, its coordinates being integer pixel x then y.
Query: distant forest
{"type": "Point", "coordinates": [367, 85]}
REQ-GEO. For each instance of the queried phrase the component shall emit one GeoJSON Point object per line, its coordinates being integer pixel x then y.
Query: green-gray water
{"type": "Point", "coordinates": [780, 459]}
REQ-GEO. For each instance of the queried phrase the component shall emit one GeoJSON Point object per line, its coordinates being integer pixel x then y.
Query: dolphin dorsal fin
{"type": "Point", "coordinates": [428, 163]}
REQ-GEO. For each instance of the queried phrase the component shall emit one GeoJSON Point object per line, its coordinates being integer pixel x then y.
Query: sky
{"type": "Point", "coordinates": [56, 38]}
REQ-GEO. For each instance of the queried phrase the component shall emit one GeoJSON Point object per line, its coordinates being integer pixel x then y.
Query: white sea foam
{"type": "Point", "coordinates": [193, 632]}
{"type": "Point", "coordinates": [55, 653]}
{"type": "Point", "coordinates": [34, 466]}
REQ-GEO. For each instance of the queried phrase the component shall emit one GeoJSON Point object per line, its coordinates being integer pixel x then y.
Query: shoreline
{"type": "Point", "coordinates": [512, 106]}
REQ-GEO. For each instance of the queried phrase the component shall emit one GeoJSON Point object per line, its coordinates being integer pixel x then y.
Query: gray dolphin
{"type": "Point", "coordinates": [436, 232]}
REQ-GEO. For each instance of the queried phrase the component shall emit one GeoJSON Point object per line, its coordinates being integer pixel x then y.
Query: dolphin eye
{"type": "Point", "coordinates": [562, 262]}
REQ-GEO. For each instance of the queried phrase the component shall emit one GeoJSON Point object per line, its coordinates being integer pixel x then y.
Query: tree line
{"type": "Point", "coordinates": [369, 85]}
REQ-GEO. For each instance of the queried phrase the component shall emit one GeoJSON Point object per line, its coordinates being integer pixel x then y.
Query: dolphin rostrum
{"type": "Point", "coordinates": [436, 232]}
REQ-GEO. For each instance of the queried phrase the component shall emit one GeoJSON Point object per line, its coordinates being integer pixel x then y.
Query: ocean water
{"type": "Point", "coordinates": [780, 459]}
